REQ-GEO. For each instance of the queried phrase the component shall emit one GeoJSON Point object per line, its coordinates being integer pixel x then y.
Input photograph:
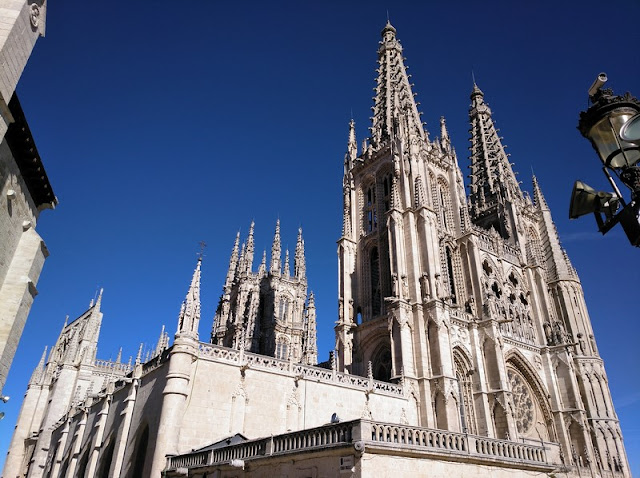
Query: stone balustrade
{"type": "Point", "coordinates": [262, 362]}
{"type": "Point", "coordinates": [370, 435]}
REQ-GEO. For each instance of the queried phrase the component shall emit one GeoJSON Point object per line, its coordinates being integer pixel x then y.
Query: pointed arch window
{"type": "Point", "coordinates": [452, 285]}
{"type": "Point", "coordinates": [467, 414]}
{"type": "Point", "coordinates": [374, 270]}
{"type": "Point", "coordinates": [370, 212]}
{"type": "Point", "coordinates": [386, 192]}
{"type": "Point", "coordinates": [443, 208]}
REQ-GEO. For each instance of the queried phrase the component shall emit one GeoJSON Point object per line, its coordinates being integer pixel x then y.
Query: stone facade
{"type": "Point", "coordinates": [24, 187]}
{"type": "Point", "coordinates": [463, 343]}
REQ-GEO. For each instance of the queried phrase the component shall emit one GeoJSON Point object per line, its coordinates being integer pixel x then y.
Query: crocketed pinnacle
{"type": "Point", "coordinates": [352, 146]}
{"type": "Point", "coordinates": [299, 265]}
{"type": "Point", "coordinates": [394, 99]}
{"type": "Point", "coordinates": [233, 264]}
{"type": "Point", "coordinates": [38, 372]}
{"type": "Point", "coordinates": [538, 198]}
{"type": "Point", "coordinates": [189, 318]}
{"type": "Point", "coordinates": [286, 264]}
{"type": "Point", "coordinates": [249, 250]}
{"type": "Point", "coordinates": [492, 178]}
{"type": "Point", "coordinates": [263, 264]}
{"type": "Point", "coordinates": [276, 251]}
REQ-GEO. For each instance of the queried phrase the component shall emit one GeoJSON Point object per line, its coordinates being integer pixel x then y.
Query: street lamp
{"type": "Point", "coordinates": [612, 125]}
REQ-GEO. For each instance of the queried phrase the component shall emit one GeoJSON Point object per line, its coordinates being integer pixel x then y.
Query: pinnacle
{"type": "Point", "coordinates": [395, 111]}
{"type": "Point", "coordinates": [538, 198]}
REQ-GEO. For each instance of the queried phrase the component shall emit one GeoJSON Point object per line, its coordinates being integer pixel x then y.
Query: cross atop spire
{"type": "Point", "coordinates": [394, 98]}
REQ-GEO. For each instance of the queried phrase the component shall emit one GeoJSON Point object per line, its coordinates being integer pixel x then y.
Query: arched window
{"type": "Point", "coordinates": [467, 413]}
{"type": "Point", "coordinates": [374, 270]}
{"type": "Point", "coordinates": [386, 190]}
{"type": "Point", "coordinates": [141, 453]}
{"type": "Point", "coordinates": [282, 349]}
{"type": "Point", "coordinates": [452, 285]}
{"type": "Point", "coordinates": [284, 309]}
{"type": "Point", "coordinates": [381, 364]}
{"type": "Point", "coordinates": [371, 214]}
{"type": "Point", "coordinates": [443, 208]}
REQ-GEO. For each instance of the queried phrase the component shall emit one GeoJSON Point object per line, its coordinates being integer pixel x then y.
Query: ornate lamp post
{"type": "Point", "coordinates": [612, 125]}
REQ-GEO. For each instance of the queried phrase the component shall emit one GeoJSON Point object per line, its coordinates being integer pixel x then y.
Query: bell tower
{"type": "Point", "coordinates": [399, 269]}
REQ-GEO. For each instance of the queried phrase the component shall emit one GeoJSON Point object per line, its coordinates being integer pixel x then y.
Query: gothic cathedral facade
{"type": "Point", "coordinates": [463, 345]}
{"type": "Point", "coordinates": [470, 300]}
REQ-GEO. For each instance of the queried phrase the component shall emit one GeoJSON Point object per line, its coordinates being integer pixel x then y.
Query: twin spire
{"type": "Point", "coordinates": [492, 177]}
{"type": "Point", "coordinates": [394, 108]}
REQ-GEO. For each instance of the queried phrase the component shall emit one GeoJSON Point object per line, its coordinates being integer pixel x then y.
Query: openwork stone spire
{"type": "Point", "coordinates": [493, 182]}
{"type": "Point", "coordinates": [189, 318]}
{"type": "Point", "coordinates": [491, 174]}
{"type": "Point", "coordinates": [394, 99]}
{"type": "Point", "coordinates": [558, 264]}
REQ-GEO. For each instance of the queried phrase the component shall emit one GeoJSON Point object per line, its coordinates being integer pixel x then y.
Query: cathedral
{"type": "Point", "coordinates": [463, 345]}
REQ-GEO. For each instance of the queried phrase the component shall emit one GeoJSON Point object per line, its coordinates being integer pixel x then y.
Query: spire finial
{"type": "Point", "coordinates": [202, 245]}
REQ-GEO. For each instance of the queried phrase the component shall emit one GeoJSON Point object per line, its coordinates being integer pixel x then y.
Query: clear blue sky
{"type": "Point", "coordinates": [162, 124]}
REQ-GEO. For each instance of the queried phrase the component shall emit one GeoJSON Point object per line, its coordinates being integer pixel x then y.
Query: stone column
{"type": "Point", "coordinates": [183, 354]}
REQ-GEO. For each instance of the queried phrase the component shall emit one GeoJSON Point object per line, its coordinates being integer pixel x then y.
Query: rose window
{"type": "Point", "coordinates": [522, 402]}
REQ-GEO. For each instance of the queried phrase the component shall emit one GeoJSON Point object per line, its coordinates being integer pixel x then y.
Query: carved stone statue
{"type": "Point", "coordinates": [471, 305]}
{"type": "Point", "coordinates": [548, 333]}
{"type": "Point", "coordinates": [439, 287]}
{"type": "Point", "coordinates": [405, 287]}
{"type": "Point", "coordinates": [394, 285]}
{"type": "Point", "coordinates": [425, 288]}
